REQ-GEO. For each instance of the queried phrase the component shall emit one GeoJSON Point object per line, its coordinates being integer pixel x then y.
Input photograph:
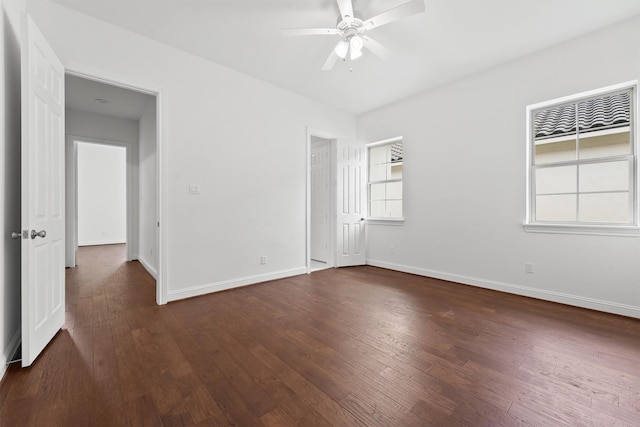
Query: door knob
{"type": "Point", "coordinates": [41, 233]}
{"type": "Point", "coordinates": [16, 234]}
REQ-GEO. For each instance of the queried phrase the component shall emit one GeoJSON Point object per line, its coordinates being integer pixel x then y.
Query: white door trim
{"type": "Point", "coordinates": [332, 177]}
{"type": "Point", "coordinates": [161, 159]}
{"type": "Point", "coordinates": [133, 227]}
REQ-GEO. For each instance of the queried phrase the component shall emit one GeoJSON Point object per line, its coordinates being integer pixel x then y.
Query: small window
{"type": "Point", "coordinates": [385, 179]}
{"type": "Point", "coordinates": [582, 160]}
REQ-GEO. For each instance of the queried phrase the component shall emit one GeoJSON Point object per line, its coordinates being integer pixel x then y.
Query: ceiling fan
{"type": "Point", "coordinates": [352, 29]}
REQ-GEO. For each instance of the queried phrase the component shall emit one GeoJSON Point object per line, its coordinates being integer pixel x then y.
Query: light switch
{"type": "Point", "coordinates": [194, 189]}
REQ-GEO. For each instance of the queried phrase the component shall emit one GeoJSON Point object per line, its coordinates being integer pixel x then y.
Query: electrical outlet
{"type": "Point", "coordinates": [528, 267]}
{"type": "Point", "coordinates": [392, 249]}
{"type": "Point", "coordinates": [263, 260]}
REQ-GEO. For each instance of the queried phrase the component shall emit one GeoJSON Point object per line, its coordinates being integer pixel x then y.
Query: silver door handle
{"type": "Point", "coordinates": [16, 234]}
{"type": "Point", "coordinates": [41, 233]}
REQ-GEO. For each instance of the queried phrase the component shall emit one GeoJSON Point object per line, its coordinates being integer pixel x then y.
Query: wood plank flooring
{"type": "Point", "coordinates": [358, 346]}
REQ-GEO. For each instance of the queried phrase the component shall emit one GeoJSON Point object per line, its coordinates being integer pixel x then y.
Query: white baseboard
{"type": "Point", "coordinates": [102, 242]}
{"type": "Point", "coordinates": [152, 271]}
{"type": "Point", "coordinates": [235, 283]}
{"type": "Point", "coordinates": [575, 300]}
{"type": "Point", "coordinates": [5, 358]}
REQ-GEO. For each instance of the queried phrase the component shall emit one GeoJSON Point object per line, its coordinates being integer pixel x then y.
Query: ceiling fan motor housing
{"type": "Point", "coordinates": [350, 23]}
{"type": "Point", "coordinates": [350, 26]}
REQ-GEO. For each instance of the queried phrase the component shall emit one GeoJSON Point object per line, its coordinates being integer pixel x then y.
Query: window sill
{"type": "Point", "coordinates": [385, 221]}
{"type": "Point", "coordinates": [594, 230]}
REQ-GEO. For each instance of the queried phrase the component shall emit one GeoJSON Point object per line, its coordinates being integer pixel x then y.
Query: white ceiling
{"type": "Point", "coordinates": [452, 39]}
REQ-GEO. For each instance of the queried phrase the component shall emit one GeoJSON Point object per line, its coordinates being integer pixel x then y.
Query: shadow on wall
{"type": "Point", "coordinates": [10, 298]}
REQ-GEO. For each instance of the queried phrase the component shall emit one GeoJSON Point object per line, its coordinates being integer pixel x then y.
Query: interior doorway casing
{"type": "Point", "coordinates": [161, 286]}
{"type": "Point", "coordinates": [72, 194]}
{"type": "Point", "coordinates": [314, 135]}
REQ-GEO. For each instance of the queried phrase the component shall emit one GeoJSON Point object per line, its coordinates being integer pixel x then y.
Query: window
{"type": "Point", "coordinates": [582, 161]}
{"type": "Point", "coordinates": [385, 179]}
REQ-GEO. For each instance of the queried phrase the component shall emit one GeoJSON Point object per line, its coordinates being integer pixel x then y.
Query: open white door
{"type": "Point", "coordinates": [320, 200]}
{"type": "Point", "coordinates": [350, 204]}
{"type": "Point", "coordinates": [43, 303]}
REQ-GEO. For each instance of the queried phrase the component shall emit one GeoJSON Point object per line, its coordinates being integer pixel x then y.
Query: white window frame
{"type": "Point", "coordinates": [632, 229]}
{"type": "Point", "coordinates": [376, 220]}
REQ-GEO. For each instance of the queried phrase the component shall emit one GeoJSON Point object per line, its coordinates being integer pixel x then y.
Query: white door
{"type": "Point", "coordinates": [350, 205]}
{"type": "Point", "coordinates": [320, 201]}
{"type": "Point", "coordinates": [43, 304]}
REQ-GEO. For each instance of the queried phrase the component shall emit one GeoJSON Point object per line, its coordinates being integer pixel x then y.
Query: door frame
{"type": "Point", "coordinates": [132, 195]}
{"type": "Point", "coordinates": [161, 162]}
{"type": "Point", "coordinates": [332, 141]}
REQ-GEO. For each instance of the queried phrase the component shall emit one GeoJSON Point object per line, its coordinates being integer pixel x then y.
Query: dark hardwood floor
{"type": "Point", "coordinates": [357, 346]}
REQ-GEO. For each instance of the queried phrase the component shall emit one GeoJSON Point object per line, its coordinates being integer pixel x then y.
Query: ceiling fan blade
{"type": "Point", "coordinates": [309, 31]}
{"type": "Point", "coordinates": [409, 8]}
{"type": "Point", "coordinates": [346, 8]}
{"type": "Point", "coordinates": [331, 60]}
{"type": "Point", "coordinates": [375, 47]}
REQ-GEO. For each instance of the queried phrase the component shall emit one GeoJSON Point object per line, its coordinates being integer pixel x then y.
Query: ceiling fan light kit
{"type": "Point", "coordinates": [356, 43]}
{"type": "Point", "coordinates": [355, 52]}
{"type": "Point", "coordinates": [341, 49]}
{"type": "Point", "coordinates": [351, 31]}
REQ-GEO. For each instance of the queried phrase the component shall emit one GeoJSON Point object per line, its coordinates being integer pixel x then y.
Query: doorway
{"type": "Point", "coordinates": [100, 112]}
{"type": "Point", "coordinates": [321, 253]}
{"type": "Point", "coordinates": [103, 207]}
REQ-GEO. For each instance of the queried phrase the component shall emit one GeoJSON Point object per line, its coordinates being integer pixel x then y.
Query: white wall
{"type": "Point", "coordinates": [147, 253]}
{"type": "Point", "coordinates": [10, 173]}
{"type": "Point", "coordinates": [102, 194]}
{"type": "Point", "coordinates": [242, 140]}
{"type": "Point", "coordinates": [464, 180]}
{"type": "Point", "coordinates": [99, 126]}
